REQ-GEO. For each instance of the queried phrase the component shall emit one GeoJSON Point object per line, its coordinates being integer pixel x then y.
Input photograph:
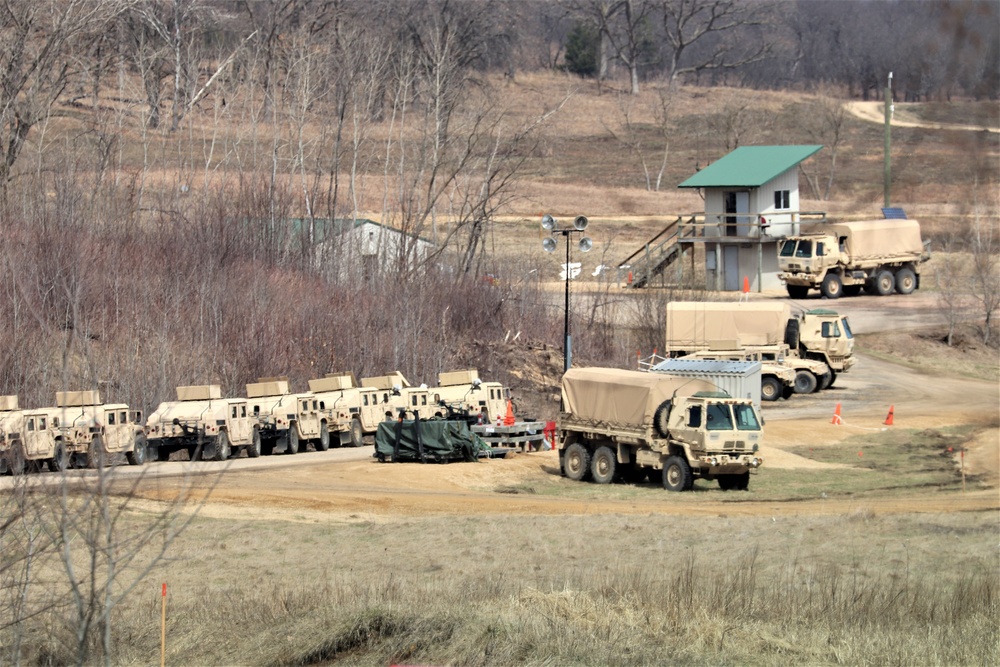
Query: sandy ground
{"type": "Point", "coordinates": [355, 488]}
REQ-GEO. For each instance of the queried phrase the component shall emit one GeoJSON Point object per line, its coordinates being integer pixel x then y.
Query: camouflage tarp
{"type": "Point", "coordinates": [433, 440]}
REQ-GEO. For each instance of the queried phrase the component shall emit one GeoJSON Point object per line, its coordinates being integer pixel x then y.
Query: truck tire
{"type": "Point", "coordinates": [95, 453]}
{"type": "Point", "coordinates": [833, 378]}
{"type": "Point", "coordinates": [603, 465]}
{"type": "Point", "coordinates": [805, 382]}
{"type": "Point", "coordinates": [832, 287]}
{"type": "Point", "coordinates": [323, 442]}
{"type": "Point", "coordinates": [661, 418]}
{"type": "Point", "coordinates": [254, 448]}
{"type": "Point", "coordinates": [677, 474]}
{"type": "Point", "coordinates": [357, 434]}
{"type": "Point", "coordinates": [576, 462]}
{"type": "Point", "coordinates": [137, 456]}
{"type": "Point", "coordinates": [292, 439]}
{"type": "Point", "coordinates": [797, 291]}
{"type": "Point", "coordinates": [738, 482]}
{"type": "Point", "coordinates": [906, 281]}
{"type": "Point", "coordinates": [222, 446]}
{"type": "Point", "coordinates": [770, 388]}
{"type": "Point", "coordinates": [792, 334]}
{"type": "Point", "coordinates": [826, 379]}
{"type": "Point", "coordinates": [884, 282]}
{"type": "Point", "coordinates": [16, 462]}
{"type": "Point", "coordinates": [60, 460]}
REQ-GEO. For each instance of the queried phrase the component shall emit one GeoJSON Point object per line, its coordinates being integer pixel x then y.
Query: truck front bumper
{"type": "Point", "coordinates": [727, 464]}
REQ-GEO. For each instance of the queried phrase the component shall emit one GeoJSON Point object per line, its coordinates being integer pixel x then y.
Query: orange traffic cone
{"type": "Point", "coordinates": [509, 419]}
{"type": "Point", "coordinates": [746, 285]}
{"type": "Point", "coordinates": [888, 419]}
{"type": "Point", "coordinates": [836, 416]}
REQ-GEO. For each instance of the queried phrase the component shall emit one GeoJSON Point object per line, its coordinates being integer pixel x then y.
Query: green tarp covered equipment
{"type": "Point", "coordinates": [432, 440]}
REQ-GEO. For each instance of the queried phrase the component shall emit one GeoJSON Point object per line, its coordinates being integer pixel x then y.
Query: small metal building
{"type": "Point", "coordinates": [739, 379]}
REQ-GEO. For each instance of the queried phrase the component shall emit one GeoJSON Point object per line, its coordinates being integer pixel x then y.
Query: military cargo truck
{"type": "Point", "coordinates": [286, 421]}
{"type": "Point", "coordinates": [94, 433]}
{"type": "Point", "coordinates": [768, 327]}
{"type": "Point", "coordinates": [350, 411]}
{"type": "Point", "coordinates": [628, 425]}
{"type": "Point", "coordinates": [202, 423]}
{"type": "Point", "coordinates": [843, 258]}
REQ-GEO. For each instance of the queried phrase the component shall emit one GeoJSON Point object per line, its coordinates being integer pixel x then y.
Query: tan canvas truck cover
{"type": "Point", "coordinates": [622, 397]}
{"type": "Point", "coordinates": [874, 239]}
{"type": "Point", "coordinates": [693, 325]}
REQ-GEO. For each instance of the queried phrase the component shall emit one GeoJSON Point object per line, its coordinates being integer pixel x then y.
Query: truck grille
{"type": "Point", "coordinates": [733, 446]}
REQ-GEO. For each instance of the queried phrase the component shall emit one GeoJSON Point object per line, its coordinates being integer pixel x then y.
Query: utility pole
{"type": "Point", "coordinates": [887, 171]}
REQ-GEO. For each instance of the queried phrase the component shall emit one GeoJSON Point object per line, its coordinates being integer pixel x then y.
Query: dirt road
{"type": "Point", "coordinates": [875, 112]}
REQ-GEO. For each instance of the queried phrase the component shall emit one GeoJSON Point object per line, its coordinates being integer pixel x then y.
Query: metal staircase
{"type": "Point", "coordinates": [656, 254]}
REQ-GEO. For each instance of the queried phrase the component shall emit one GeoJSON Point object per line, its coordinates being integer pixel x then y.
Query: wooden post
{"type": "Point", "coordinates": [962, 456]}
{"type": "Point", "coordinates": [163, 626]}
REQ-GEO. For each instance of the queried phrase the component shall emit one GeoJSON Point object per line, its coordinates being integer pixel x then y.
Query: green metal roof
{"type": "Point", "coordinates": [749, 166]}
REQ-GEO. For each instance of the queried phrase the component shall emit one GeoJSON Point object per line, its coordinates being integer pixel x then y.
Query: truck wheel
{"type": "Point", "coordinates": [797, 291]}
{"type": "Point", "coordinates": [253, 449]}
{"type": "Point", "coordinates": [884, 282]}
{"type": "Point", "coordinates": [661, 419]}
{"type": "Point", "coordinates": [222, 446]}
{"type": "Point", "coordinates": [832, 286]}
{"type": "Point", "coordinates": [293, 440]}
{"type": "Point", "coordinates": [15, 459]}
{"type": "Point", "coordinates": [357, 435]}
{"type": "Point", "coordinates": [323, 443]}
{"type": "Point", "coordinates": [576, 462]}
{"type": "Point", "coordinates": [741, 482]}
{"type": "Point", "coordinates": [852, 290]}
{"type": "Point", "coordinates": [59, 461]}
{"type": "Point", "coordinates": [770, 389]}
{"type": "Point", "coordinates": [604, 465]}
{"type": "Point", "coordinates": [906, 281]}
{"type": "Point", "coordinates": [833, 378]}
{"type": "Point", "coordinates": [805, 382]}
{"type": "Point", "coordinates": [792, 334]}
{"type": "Point", "coordinates": [677, 474]}
{"type": "Point", "coordinates": [95, 453]}
{"type": "Point", "coordinates": [826, 379]}
{"type": "Point", "coordinates": [137, 456]}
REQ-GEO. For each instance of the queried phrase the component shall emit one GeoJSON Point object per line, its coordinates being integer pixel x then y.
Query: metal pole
{"type": "Point", "coordinates": [567, 350]}
{"type": "Point", "coordinates": [887, 171]}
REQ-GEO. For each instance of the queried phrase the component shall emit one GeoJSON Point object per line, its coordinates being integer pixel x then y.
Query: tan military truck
{"type": "Point", "coordinates": [758, 331]}
{"type": "Point", "coordinates": [351, 411]}
{"type": "Point", "coordinates": [286, 421]}
{"type": "Point", "coordinates": [27, 438]}
{"type": "Point", "coordinates": [94, 433]}
{"type": "Point", "coordinates": [202, 423]}
{"type": "Point", "coordinates": [819, 334]}
{"type": "Point", "coordinates": [843, 258]}
{"type": "Point", "coordinates": [620, 424]}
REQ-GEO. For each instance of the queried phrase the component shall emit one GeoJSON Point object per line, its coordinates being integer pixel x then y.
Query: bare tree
{"type": "Point", "coordinates": [985, 249]}
{"type": "Point", "coordinates": [825, 118]}
{"type": "Point", "coordinates": [703, 35]}
{"type": "Point", "coordinates": [38, 40]}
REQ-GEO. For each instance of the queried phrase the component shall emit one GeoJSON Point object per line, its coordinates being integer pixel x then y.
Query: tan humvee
{"type": "Point", "coordinates": [28, 436]}
{"type": "Point", "coordinates": [350, 411]}
{"type": "Point", "coordinates": [94, 433]}
{"type": "Point", "coordinates": [630, 425]}
{"type": "Point", "coordinates": [287, 421]}
{"type": "Point", "coordinates": [465, 393]}
{"type": "Point", "coordinates": [201, 418]}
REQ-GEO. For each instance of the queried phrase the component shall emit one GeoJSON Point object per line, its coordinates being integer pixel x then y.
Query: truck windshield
{"type": "Point", "coordinates": [746, 418]}
{"type": "Point", "coordinates": [793, 248]}
{"type": "Point", "coordinates": [719, 418]}
{"type": "Point", "coordinates": [847, 328]}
